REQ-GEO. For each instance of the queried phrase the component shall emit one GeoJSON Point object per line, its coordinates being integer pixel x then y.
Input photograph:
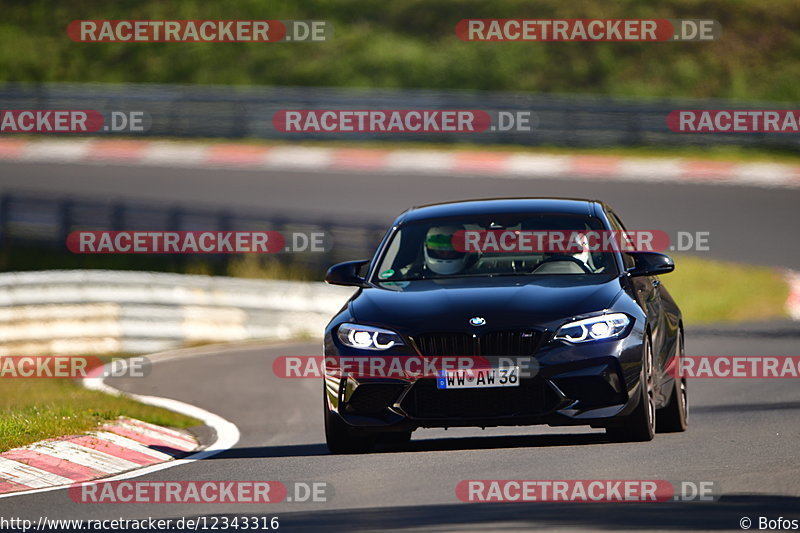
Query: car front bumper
{"type": "Point", "coordinates": [593, 384]}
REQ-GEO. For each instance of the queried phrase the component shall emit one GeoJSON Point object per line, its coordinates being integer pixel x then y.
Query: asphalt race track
{"type": "Point", "coordinates": [743, 434]}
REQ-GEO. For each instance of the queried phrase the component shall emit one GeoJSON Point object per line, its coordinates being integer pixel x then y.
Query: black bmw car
{"type": "Point", "coordinates": [576, 335]}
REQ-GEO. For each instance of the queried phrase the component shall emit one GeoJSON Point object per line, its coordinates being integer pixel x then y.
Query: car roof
{"type": "Point", "coordinates": [572, 206]}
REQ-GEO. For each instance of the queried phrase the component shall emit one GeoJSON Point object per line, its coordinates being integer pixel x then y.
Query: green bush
{"type": "Point", "coordinates": [413, 44]}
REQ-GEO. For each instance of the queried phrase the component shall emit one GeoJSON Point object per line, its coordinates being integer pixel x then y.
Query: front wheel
{"type": "Point", "coordinates": [674, 417]}
{"type": "Point", "coordinates": [640, 426]}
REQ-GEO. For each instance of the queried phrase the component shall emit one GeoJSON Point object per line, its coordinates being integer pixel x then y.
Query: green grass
{"type": "Point", "coordinates": [719, 291]}
{"type": "Point", "coordinates": [36, 409]}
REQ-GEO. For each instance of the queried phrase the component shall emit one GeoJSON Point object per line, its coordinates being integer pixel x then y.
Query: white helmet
{"type": "Point", "coordinates": [440, 255]}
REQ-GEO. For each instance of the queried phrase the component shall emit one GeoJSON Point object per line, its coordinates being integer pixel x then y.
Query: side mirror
{"type": "Point", "coordinates": [650, 264]}
{"type": "Point", "coordinates": [346, 273]}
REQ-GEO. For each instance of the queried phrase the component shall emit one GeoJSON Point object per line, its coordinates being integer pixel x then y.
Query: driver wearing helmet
{"type": "Point", "coordinates": [441, 257]}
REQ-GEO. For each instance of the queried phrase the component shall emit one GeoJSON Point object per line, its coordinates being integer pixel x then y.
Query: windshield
{"type": "Point", "coordinates": [493, 245]}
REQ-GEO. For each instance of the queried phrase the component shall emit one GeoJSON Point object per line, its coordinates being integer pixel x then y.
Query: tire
{"type": "Point", "coordinates": [340, 438]}
{"type": "Point", "coordinates": [674, 418]}
{"type": "Point", "coordinates": [640, 426]}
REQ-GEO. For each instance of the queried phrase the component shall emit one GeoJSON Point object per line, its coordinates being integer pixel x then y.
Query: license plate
{"type": "Point", "coordinates": [478, 378]}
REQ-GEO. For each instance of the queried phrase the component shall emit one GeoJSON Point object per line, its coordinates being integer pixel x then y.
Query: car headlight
{"type": "Point", "coordinates": [594, 329]}
{"type": "Point", "coordinates": [368, 337]}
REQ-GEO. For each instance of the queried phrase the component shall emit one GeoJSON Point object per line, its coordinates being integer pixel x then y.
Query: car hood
{"type": "Point", "coordinates": [510, 301]}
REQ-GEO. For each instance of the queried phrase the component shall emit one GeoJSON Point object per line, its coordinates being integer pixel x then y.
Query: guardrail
{"type": "Point", "coordinates": [246, 112]}
{"type": "Point", "coordinates": [43, 221]}
{"type": "Point", "coordinates": [67, 312]}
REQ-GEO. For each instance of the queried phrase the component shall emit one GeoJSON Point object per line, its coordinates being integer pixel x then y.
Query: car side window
{"type": "Point", "coordinates": [616, 225]}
